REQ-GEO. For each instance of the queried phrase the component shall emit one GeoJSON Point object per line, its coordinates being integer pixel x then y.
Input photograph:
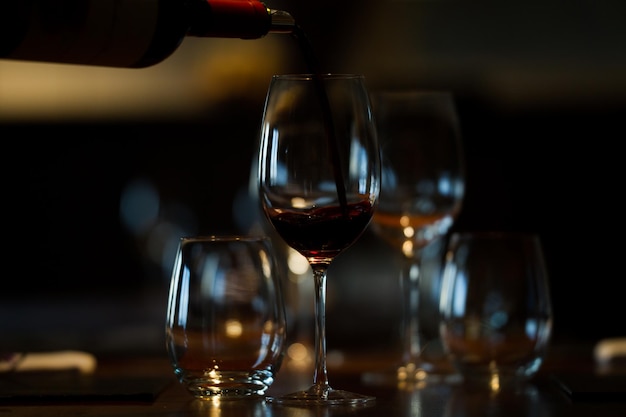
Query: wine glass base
{"type": "Point", "coordinates": [316, 397]}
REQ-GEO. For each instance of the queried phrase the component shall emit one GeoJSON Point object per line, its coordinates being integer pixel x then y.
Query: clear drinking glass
{"type": "Point", "coordinates": [423, 185]}
{"type": "Point", "coordinates": [496, 312]}
{"type": "Point", "coordinates": [225, 327]}
{"type": "Point", "coordinates": [319, 181]}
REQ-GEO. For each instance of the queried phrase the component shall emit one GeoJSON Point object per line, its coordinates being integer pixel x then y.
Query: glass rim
{"type": "Point", "coordinates": [311, 76]}
{"type": "Point", "coordinates": [409, 92]}
{"type": "Point", "coordinates": [225, 238]}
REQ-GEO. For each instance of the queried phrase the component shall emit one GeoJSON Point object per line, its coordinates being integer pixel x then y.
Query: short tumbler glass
{"type": "Point", "coordinates": [225, 326]}
{"type": "Point", "coordinates": [496, 313]}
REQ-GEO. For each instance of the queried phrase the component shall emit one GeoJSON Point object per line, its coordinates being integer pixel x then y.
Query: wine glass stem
{"type": "Point", "coordinates": [320, 379]}
{"type": "Point", "coordinates": [409, 284]}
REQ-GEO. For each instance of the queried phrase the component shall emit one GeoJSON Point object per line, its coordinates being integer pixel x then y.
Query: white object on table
{"type": "Point", "coordinates": [609, 349]}
{"type": "Point", "coordinates": [83, 362]}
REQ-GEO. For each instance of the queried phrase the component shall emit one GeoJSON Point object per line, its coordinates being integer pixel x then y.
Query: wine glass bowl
{"type": "Point", "coordinates": [423, 186]}
{"type": "Point", "coordinates": [319, 182]}
{"type": "Point", "coordinates": [422, 166]}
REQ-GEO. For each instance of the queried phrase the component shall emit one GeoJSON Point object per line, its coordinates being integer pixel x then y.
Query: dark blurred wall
{"type": "Point", "coordinates": [541, 95]}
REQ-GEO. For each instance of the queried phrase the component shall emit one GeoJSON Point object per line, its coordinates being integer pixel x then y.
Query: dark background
{"type": "Point", "coordinates": [541, 96]}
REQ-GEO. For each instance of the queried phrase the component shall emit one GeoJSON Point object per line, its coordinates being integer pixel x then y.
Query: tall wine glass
{"type": "Point", "coordinates": [319, 181]}
{"type": "Point", "coordinates": [422, 191]}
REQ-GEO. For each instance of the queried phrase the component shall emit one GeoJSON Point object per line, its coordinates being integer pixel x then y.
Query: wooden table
{"type": "Point", "coordinates": [153, 391]}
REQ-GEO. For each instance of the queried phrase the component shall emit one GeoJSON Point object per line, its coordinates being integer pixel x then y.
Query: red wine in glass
{"type": "Point", "coordinates": [323, 232]}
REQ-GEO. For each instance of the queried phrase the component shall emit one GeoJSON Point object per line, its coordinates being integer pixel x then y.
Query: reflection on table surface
{"type": "Point", "coordinates": [542, 397]}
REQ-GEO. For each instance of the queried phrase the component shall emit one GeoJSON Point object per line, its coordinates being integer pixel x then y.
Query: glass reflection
{"type": "Point", "coordinates": [521, 401]}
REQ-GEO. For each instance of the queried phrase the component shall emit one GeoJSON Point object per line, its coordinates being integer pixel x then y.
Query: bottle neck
{"type": "Point", "coordinates": [281, 22]}
{"type": "Point", "coordinates": [245, 19]}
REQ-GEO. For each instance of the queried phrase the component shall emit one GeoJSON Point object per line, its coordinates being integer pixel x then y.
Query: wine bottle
{"type": "Point", "coordinates": [125, 33]}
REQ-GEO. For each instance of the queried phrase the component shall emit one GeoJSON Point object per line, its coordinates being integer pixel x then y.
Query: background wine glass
{"type": "Point", "coordinates": [423, 187]}
{"type": "Point", "coordinates": [496, 311]}
{"type": "Point", "coordinates": [319, 181]}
